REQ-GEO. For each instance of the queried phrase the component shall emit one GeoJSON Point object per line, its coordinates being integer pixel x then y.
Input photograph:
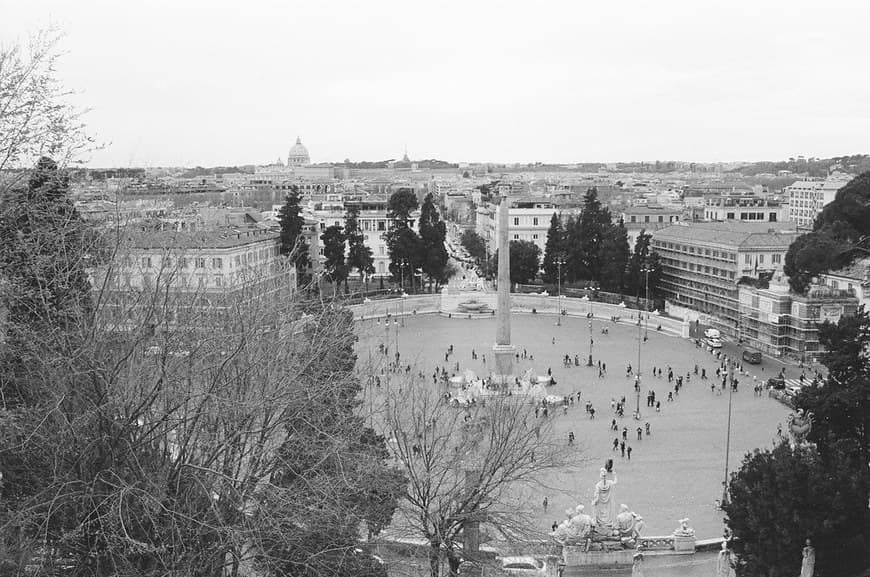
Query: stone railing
{"type": "Point", "coordinates": [657, 543]}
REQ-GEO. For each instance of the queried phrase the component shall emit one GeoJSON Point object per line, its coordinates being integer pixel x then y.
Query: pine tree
{"type": "Point", "coordinates": [433, 233]}
{"type": "Point", "coordinates": [553, 250]}
{"type": "Point", "coordinates": [293, 243]}
{"type": "Point", "coordinates": [359, 256]}
{"type": "Point", "coordinates": [403, 244]}
{"type": "Point", "coordinates": [334, 263]}
{"type": "Point", "coordinates": [614, 258]}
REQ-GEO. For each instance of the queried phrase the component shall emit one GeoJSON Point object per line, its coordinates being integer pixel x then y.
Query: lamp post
{"type": "Point", "coordinates": [559, 262]}
{"type": "Point", "coordinates": [646, 326]}
{"type": "Point", "coordinates": [591, 316]}
{"type": "Point", "coordinates": [727, 442]}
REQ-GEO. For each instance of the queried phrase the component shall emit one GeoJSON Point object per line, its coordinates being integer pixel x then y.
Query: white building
{"type": "Point", "coordinates": [807, 198]}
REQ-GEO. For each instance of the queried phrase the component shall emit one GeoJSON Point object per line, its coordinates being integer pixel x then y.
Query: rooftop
{"type": "Point", "coordinates": [732, 233]}
{"type": "Point", "coordinates": [206, 239]}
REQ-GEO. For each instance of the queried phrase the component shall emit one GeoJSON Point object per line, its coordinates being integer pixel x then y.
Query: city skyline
{"type": "Point", "coordinates": [200, 84]}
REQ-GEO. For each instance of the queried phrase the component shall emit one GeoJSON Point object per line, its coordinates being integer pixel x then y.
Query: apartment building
{"type": "Point", "coordinates": [528, 219]}
{"type": "Point", "coordinates": [744, 209]}
{"type": "Point", "coordinates": [647, 218]}
{"type": "Point", "coordinates": [702, 263]}
{"type": "Point", "coordinates": [783, 324]}
{"type": "Point", "coordinates": [807, 198]}
{"type": "Point", "coordinates": [373, 222]}
{"type": "Point", "coordinates": [204, 269]}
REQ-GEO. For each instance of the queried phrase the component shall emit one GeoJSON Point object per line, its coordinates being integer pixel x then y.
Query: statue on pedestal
{"type": "Point", "coordinates": [576, 529]}
{"type": "Point", "coordinates": [799, 426]}
{"type": "Point", "coordinates": [684, 530]}
{"type": "Point", "coordinates": [629, 524]}
{"type": "Point", "coordinates": [808, 564]}
{"type": "Point", "coordinates": [724, 564]}
{"type": "Point", "coordinates": [603, 503]}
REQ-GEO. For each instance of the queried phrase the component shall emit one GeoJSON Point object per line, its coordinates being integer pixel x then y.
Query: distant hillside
{"type": "Point", "coordinates": [815, 167]}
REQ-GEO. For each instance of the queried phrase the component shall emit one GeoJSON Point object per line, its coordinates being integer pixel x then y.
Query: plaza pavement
{"type": "Point", "coordinates": [676, 472]}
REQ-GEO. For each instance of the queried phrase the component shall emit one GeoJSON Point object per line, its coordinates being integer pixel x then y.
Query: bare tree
{"type": "Point", "coordinates": [468, 466]}
{"type": "Point", "coordinates": [36, 117]}
{"type": "Point", "coordinates": [178, 427]}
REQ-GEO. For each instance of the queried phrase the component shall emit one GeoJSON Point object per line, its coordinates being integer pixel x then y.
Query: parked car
{"type": "Point", "coordinates": [752, 357]}
{"type": "Point", "coordinates": [712, 334]}
{"type": "Point", "coordinates": [715, 343]}
{"type": "Point", "coordinates": [523, 565]}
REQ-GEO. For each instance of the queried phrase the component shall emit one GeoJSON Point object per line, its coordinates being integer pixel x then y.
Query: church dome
{"type": "Point", "coordinates": [298, 155]}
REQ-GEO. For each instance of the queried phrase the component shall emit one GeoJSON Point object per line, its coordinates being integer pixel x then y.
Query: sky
{"type": "Point", "coordinates": [185, 83]}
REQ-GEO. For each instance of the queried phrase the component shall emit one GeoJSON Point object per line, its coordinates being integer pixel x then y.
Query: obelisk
{"type": "Point", "coordinates": [503, 350]}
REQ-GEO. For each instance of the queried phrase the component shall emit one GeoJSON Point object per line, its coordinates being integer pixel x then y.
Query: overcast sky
{"type": "Point", "coordinates": [218, 83]}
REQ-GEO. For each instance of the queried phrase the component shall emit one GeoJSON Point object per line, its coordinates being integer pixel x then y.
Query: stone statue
{"type": "Point", "coordinates": [574, 530]}
{"type": "Point", "coordinates": [723, 562]}
{"type": "Point", "coordinates": [603, 503]}
{"type": "Point", "coordinates": [684, 530]}
{"type": "Point", "coordinates": [637, 564]}
{"type": "Point", "coordinates": [628, 523]}
{"type": "Point", "coordinates": [808, 565]}
{"type": "Point", "coordinates": [799, 426]}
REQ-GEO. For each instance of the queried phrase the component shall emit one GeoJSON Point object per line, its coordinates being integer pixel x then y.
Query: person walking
{"type": "Point", "coordinates": [615, 444]}
{"type": "Point", "coordinates": [639, 434]}
{"type": "Point", "coordinates": [546, 504]}
{"type": "Point", "coordinates": [622, 448]}
{"type": "Point", "coordinates": [628, 450]}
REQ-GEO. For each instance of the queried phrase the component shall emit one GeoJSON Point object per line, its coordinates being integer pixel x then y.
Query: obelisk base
{"type": "Point", "coordinates": [503, 373]}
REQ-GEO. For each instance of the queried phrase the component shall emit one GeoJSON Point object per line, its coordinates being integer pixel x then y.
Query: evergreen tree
{"type": "Point", "coordinates": [359, 256]}
{"type": "Point", "coordinates": [525, 261]}
{"type": "Point", "coordinates": [585, 238]}
{"type": "Point", "coordinates": [45, 251]}
{"type": "Point", "coordinates": [554, 250]}
{"type": "Point", "coordinates": [403, 244]}
{"type": "Point", "coordinates": [293, 243]}
{"type": "Point", "coordinates": [817, 490]}
{"type": "Point", "coordinates": [643, 258]}
{"type": "Point", "coordinates": [474, 245]}
{"type": "Point", "coordinates": [433, 233]}
{"type": "Point", "coordinates": [333, 251]}
{"type": "Point", "coordinates": [614, 258]}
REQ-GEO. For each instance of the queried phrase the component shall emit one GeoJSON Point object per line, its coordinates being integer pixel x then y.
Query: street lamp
{"type": "Point", "coordinates": [727, 440]}
{"type": "Point", "coordinates": [591, 316]}
{"type": "Point", "coordinates": [559, 262]}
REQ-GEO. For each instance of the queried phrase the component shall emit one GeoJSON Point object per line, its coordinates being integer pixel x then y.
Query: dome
{"type": "Point", "coordinates": [298, 155]}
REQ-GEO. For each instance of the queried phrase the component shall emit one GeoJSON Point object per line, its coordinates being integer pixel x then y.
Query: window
{"type": "Point", "coordinates": [200, 262]}
{"type": "Point", "coordinates": [729, 216]}
{"type": "Point", "coordinates": [217, 263]}
{"type": "Point", "coordinates": [535, 221]}
{"type": "Point", "coordinates": [646, 218]}
{"type": "Point", "coordinates": [238, 260]}
{"type": "Point", "coordinates": [747, 259]}
{"type": "Point", "coordinates": [661, 218]}
{"type": "Point", "coordinates": [218, 280]}
{"type": "Point", "coordinates": [381, 250]}
{"type": "Point", "coordinates": [382, 226]}
{"type": "Point", "coordinates": [167, 262]}
{"type": "Point", "coordinates": [516, 221]}
{"type": "Point", "coordinates": [633, 218]}
{"type": "Point", "coordinates": [761, 259]}
{"type": "Point", "coordinates": [146, 281]}
{"type": "Point", "coordinates": [182, 262]}
{"type": "Point", "coordinates": [534, 237]}
{"type": "Point", "coordinates": [776, 258]}
{"type": "Point", "coordinates": [146, 262]}
{"type": "Point", "coordinates": [516, 237]}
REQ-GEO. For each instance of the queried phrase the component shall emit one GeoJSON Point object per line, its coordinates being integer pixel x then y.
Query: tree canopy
{"type": "Point", "coordinates": [293, 243]}
{"type": "Point", "coordinates": [433, 233]}
{"type": "Point", "coordinates": [820, 489]}
{"type": "Point", "coordinates": [833, 243]}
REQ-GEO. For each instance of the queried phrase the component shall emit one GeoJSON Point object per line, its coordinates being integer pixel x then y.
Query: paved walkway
{"type": "Point", "coordinates": [676, 472]}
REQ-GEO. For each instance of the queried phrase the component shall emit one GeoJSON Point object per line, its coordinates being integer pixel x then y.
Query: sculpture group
{"type": "Point", "coordinates": [606, 527]}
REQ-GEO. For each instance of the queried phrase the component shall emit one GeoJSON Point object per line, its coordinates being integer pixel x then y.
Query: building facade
{"type": "Point", "coordinates": [703, 262]}
{"type": "Point", "coordinates": [807, 198]}
{"type": "Point", "coordinates": [782, 324]}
